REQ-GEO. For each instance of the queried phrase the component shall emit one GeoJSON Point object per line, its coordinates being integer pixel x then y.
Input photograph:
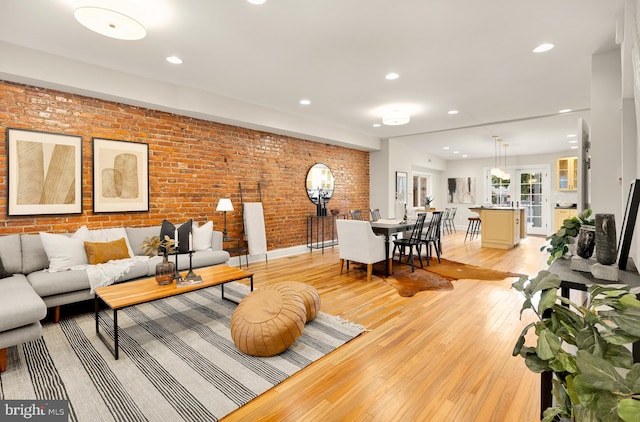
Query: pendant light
{"type": "Point", "coordinates": [505, 174]}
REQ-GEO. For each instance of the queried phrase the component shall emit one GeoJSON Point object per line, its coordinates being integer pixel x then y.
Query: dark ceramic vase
{"type": "Point", "coordinates": [586, 242]}
{"type": "Point", "coordinates": [606, 247]}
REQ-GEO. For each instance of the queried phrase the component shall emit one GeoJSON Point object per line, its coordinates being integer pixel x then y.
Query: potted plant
{"type": "Point", "coordinates": [559, 242]}
{"type": "Point", "coordinates": [595, 378]}
{"type": "Point", "coordinates": [427, 202]}
{"type": "Point", "coordinates": [153, 246]}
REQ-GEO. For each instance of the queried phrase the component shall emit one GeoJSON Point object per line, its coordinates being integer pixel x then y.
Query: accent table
{"type": "Point", "coordinates": [130, 293]}
{"type": "Point", "coordinates": [387, 229]}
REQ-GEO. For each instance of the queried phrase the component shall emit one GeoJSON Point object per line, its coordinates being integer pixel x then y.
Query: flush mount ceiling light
{"type": "Point", "coordinates": [543, 47]}
{"type": "Point", "coordinates": [396, 118]}
{"type": "Point", "coordinates": [110, 23]}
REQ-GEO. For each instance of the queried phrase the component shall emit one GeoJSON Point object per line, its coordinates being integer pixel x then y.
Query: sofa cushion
{"type": "Point", "coordinates": [46, 283]}
{"type": "Point", "coordinates": [34, 257]}
{"type": "Point", "coordinates": [100, 252]}
{"type": "Point", "coordinates": [136, 236]}
{"type": "Point", "coordinates": [3, 273]}
{"type": "Point", "coordinates": [63, 252]}
{"type": "Point", "coordinates": [19, 305]}
{"type": "Point", "coordinates": [202, 236]}
{"type": "Point", "coordinates": [169, 229]}
{"type": "Point", "coordinates": [109, 235]}
{"type": "Point", "coordinates": [10, 252]}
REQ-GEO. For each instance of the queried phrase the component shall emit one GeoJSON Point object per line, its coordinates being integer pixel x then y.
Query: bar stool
{"type": "Point", "coordinates": [473, 229]}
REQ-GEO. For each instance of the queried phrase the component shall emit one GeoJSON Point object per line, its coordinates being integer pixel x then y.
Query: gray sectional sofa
{"type": "Point", "coordinates": [32, 288]}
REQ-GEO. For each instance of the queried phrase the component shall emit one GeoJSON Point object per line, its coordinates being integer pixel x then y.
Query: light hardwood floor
{"type": "Point", "coordinates": [436, 356]}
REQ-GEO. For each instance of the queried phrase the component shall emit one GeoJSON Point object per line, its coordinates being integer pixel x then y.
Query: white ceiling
{"type": "Point", "coordinates": [469, 55]}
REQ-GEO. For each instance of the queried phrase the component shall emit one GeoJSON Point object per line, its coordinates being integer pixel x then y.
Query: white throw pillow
{"type": "Point", "coordinates": [202, 236]}
{"type": "Point", "coordinates": [109, 235]}
{"type": "Point", "coordinates": [63, 252]}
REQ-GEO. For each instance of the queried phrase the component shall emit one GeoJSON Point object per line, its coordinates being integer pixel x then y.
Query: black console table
{"type": "Point", "coordinates": [318, 229]}
{"type": "Point", "coordinates": [578, 280]}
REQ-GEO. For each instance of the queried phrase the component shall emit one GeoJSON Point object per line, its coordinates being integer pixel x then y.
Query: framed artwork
{"type": "Point", "coordinates": [461, 190]}
{"type": "Point", "coordinates": [628, 224]}
{"type": "Point", "coordinates": [401, 186]}
{"type": "Point", "coordinates": [44, 173]}
{"type": "Point", "coordinates": [120, 176]}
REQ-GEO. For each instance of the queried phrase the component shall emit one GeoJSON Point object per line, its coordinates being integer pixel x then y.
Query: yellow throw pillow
{"type": "Point", "coordinates": [100, 252]}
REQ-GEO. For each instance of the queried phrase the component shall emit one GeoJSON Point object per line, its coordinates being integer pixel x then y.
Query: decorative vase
{"type": "Point", "coordinates": [165, 271]}
{"type": "Point", "coordinates": [586, 241]}
{"type": "Point", "coordinates": [606, 247]}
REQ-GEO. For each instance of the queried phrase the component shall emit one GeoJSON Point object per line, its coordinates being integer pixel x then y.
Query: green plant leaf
{"type": "Point", "coordinates": [607, 407]}
{"type": "Point", "coordinates": [633, 378]}
{"type": "Point", "coordinates": [547, 299]}
{"type": "Point", "coordinates": [548, 345]}
{"type": "Point", "coordinates": [629, 301]}
{"type": "Point", "coordinates": [600, 373]}
{"type": "Point", "coordinates": [535, 364]}
{"type": "Point", "coordinates": [628, 320]}
{"type": "Point", "coordinates": [618, 336]}
{"type": "Point", "coordinates": [629, 410]}
{"type": "Point", "coordinates": [619, 356]}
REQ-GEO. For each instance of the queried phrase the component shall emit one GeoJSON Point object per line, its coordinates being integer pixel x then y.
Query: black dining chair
{"type": "Point", "coordinates": [356, 215]}
{"type": "Point", "coordinates": [432, 234]}
{"type": "Point", "coordinates": [411, 243]}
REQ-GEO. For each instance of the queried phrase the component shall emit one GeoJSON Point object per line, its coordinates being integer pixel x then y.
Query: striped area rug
{"type": "Point", "coordinates": [177, 361]}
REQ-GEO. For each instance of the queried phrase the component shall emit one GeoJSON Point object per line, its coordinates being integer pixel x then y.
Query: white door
{"type": "Point", "coordinates": [532, 186]}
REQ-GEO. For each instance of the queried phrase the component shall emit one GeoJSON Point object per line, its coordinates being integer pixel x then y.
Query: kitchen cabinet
{"type": "Point", "coordinates": [501, 228]}
{"type": "Point", "coordinates": [562, 214]}
{"type": "Point", "coordinates": [567, 173]}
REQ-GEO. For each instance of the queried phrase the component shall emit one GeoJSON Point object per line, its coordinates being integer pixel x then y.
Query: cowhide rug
{"type": "Point", "coordinates": [436, 276]}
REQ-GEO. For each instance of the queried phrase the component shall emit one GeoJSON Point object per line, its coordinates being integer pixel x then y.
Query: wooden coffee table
{"type": "Point", "coordinates": [129, 293]}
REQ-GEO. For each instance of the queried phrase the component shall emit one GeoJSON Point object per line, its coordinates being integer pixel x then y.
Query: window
{"type": "Point", "coordinates": [500, 194]}
{"type": "Point", "coordinates": [421, 188]}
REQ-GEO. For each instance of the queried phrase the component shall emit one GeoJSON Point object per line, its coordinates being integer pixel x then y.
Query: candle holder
{"type": "Point", "coordinates": [191, 277]}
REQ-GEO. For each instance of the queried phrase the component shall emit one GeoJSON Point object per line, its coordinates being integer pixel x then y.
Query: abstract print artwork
{"type": "Point", "coordinates": [461, 190]}
{"type": "Point", "coordinates": [44, 173]}
{"type": "Point", "coordinates": [120, 176]}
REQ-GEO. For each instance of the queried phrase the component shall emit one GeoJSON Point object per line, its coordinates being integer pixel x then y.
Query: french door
{"type": "Point", "coordinates": [532, 187]}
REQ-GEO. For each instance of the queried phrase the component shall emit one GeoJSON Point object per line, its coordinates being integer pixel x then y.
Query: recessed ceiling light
{"type": "Point", "coordinates": [571, 135]}
{"type": "Point", "coordinates": [543, 47]}
{"type": "Point", "coordinates": [464, 156]}
{"type": "Point", "coordinates": [574, 147]}
{"type": "Point", "coordinates": [391, 76]}
{"type": "Point", "coordinates": [110, 23]}
{"type": "Point", "coordinates": [256, 1]}
{"type": "Point", "coordinates": [564, 110]}
{"type": "Point", "coordinates": [452, 112]}
{"type": "Point", "coordinates": [573, 142]}
{"type": "Point", "coordinates": [174, 59]}
{"type": "Point", "coordinates": [445, 147]}
{"type": "Point", "coordinates": [377, 125]}
{"type": "Point", "coordinates": [456, 152]}
{"type": "Point", "coordinates": [305, 102]}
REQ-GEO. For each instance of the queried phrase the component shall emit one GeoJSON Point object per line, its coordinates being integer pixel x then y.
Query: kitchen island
{"type": "Point", "coordinates": [502, 227]}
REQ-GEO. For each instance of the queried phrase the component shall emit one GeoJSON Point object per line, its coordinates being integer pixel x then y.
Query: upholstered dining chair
{"type": "Point", "coordinates": [356, 215]}
{"type": "Point", "coordinates": [411, 243]}
{"type": "Point", "coordinates": [359, 244]}
{"type": "Point", "coordinates": [431, 237]}
{"type": "Point", "coordinates": [375, 214]}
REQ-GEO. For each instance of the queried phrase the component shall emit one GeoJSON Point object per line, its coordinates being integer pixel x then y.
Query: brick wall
{"type": "Point", "coordinates": [192, 163]}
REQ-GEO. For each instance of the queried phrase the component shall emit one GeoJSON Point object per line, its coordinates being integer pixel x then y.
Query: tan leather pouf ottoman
{"type": "Point", "coordinates": [310, 297]}
{"type": "Point", "coordinates": [268, 320]}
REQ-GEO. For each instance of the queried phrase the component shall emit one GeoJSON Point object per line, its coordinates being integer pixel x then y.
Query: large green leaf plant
{"type": "Point", "coordinates": [559, 241]}
{"type": "Point", "coordinates": [595, 378]}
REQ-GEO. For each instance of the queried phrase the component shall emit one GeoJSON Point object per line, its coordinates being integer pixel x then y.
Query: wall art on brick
{"type": "Point", "coordinates": [44, 173]}
{"type": "Point", "coordinates": [120, 176]}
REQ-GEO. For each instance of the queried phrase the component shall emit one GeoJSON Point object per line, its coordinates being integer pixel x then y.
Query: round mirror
{"type": "Point", "coordinates": [320, 183]}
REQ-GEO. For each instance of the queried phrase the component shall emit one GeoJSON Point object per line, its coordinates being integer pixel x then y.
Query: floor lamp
{"type": "Point", "coordinates": [224, 205]}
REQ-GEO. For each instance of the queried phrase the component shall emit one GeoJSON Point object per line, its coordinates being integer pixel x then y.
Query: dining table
{"type": "Point", "coordinates": [388, 228]}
